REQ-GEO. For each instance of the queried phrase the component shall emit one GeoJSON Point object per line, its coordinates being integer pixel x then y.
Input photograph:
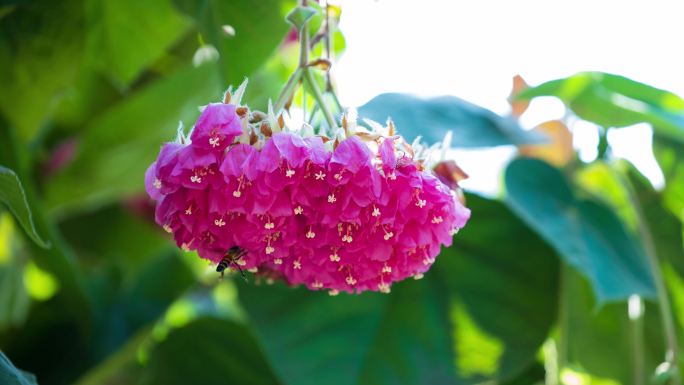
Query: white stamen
{"type": "Point", "coordinates": [347, 238]}
{"type": "Point", "coordinates": [437, 219]}
{"type": "Point", "coordinates": [237, 193]}
{"type": "Point", "coordinates": [157, 183]}
{"type": "Point", "coordinates": [421, 203]}
{"type": "Point", "coordinates": [185, 247]}
{"type": "Point", "coordinates": [454, 231]}
{"type": "Point", "coordinates": [334, 257]}
{"type": "Point", "coordinates": [219, 222]}
{"type": "Point", "coordinates": [188, 211]}
{"type": "Point", "coordinates": [310, 234]}
{"type": "Point", "coordinates": [167, 228]}
{"type": "Point", "coordinates": [383, 287]}
{"type": "Point", "coordinates": [278, 261]}
{"type": "Point", "coordinates": [331, 198]}
{"type": "Point", "coordinates": [317, 285]}
{"type": "Point", "coordinates": [297, 265]}
{"type": "Point", "coordinates": [214, 141]}
{"type": "Point", "coordinates": [253, 269]}
{"type": "Point", "coordinates": [298, 210]}
{"type": "Point", "coordinates": [338, 177]}
{"type": "Point", "coordinates": [289, 173]}
{"type": "Point", "coordinates": [392, 176]}
{"type": "Point", "coordinates": [418, 276]}
{"type": "Point", "coordinates": [195, 179]}
{"type": "Point", "coordinates": [269, 225]}
{"type": "Point", "coordinates": [376, 212]}
{"type": "Point", "coordinates": [386, 269]}
{"type": "Point", "coordinates": [351, 281]}
{"type": "Point", "coordinates": [388, 236]}
{"type": "Point", "coordinates": [428, 261]}
{"type": "Point", "coordinates": [269, 250]}
{"type": "Point", "coordinates": [320, 175]}
{"type": "Point", "coordinates": [333, 292]}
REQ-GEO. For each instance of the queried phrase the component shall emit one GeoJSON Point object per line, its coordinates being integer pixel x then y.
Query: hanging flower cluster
{"type": "Point", "coordinates": [355, 212]}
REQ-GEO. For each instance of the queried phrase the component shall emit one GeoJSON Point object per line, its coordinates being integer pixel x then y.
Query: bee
{"type": "Point", "coordinates": [232, 257]}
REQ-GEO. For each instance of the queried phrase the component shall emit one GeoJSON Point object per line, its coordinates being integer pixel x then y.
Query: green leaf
{"type": "Point", "coordinates": [448, 328]}
{"type": "Point", "coordinates": [615, 101]}
{"type": "Point", "coordinates": [473, 126]}
{"type": "Point", "coordinates": [300, 16]}
{"type": "Point", "coordinates": [209, 351]}
{"type": "Point", "coordinates": [259, 27]}
{"type": "Point", "coordinates": [126, 36]}
{"type": "Point", "coordinates": [12, 194]}
{"type": "Point", "coordinates": [601, 340]}
{"type": "Point", "coordinates": [10, 375]}
{"type": "Point", "coordinates": [671, 160]}
{"type": "Point", "coordinates": [41, 48]}
{"type": "Point", "coordinates": [587, 234]}
{"type": "Point", "coordinates": [118, 146]}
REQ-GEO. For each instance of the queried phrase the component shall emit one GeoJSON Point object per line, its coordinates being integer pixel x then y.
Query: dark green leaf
{"type": "Point", "coordinates": [126, 36]}
{"type": "Point", "coordinates": [209, 351]}
{"type": "Point", "coordinates": [448, 328]}
{"type": "Point", "coordinates": [41, 46]}
{"type": "Point", "coordinates": [615, 101]}
{"type": "Point", "coordinates": [119, 145]}
{"type": "Point", "coordinates": [12, 194]}
{"type": "Point", "coordinates": [10, 375]}
{"type": "Point", "coordinates": [588, 235]}
{"type": "Point", "coordinates": [259, 27]}
{"type": "Point", "coordinates": [473, 126]}
{"type": "Point", "coordinates": [300, 16]}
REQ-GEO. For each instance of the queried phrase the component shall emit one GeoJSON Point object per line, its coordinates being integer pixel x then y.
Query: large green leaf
{"type": "Point", "coordinates": [125, 36]}
{"type": "Point", "coordinates": [259, 27]}
{"type": "Point", "coordinates": [119, 145]}
{"type": "Point", "coordinates": [13, 196]}
{"type": "Point", "coordinates": [601, 341]}
{"type": "Point", "coordinates": [588, 235]}
{"type": "Point", "coordinates": [480, 315]}
{"type": "Point", "coordinates": [473, 126]}
{"type": "Point", "coordinates": [10, 375]}
{"type": "Point", "coordinates": [209, 351]}
{"type": "Point", "coordinates": [670, 156]}
{"type": "Point", "coordinates": [41, 45]}
{"type": "Point", "coordinates": [615, 101]}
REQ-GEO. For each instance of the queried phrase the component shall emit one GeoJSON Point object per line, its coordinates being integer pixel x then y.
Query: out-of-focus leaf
{"type": "Point", "coordinates": [615, 101]}
{"type": "Point", "coordinates": [125, 36]}
{"type": "Point", "coordinates": [670, 156]}
{"type": "Point", "coordinates": [259, 27]}
{"type": "Point", "coordinates": [558, 151]}
{"type": "Point", "coordinates": [13, 196]}
{"type": "Point", "coordinates": [518, 107]}
{"type": "Point", "coordinates": [473, 126]}
{"type": "Point", "coordinates": [119, 145]}
{"type": "Point", "coordinates": [10, 375]}
{"type": "Point", "coordinates": [41, 44]}
{"type": "Point", "coordinates": [588, 235]}
{"type": "Point", "coordinates": [601, 340]}
{"type": "Point", "coordinates": [448, 328]}
{"type": "Point", "coordinates": [209, 351]}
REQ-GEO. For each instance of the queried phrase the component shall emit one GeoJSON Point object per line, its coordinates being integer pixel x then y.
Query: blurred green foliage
{"type": "Point", "coordinates": [556, 281]}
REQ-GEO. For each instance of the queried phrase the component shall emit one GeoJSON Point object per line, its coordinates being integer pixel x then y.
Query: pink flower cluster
{"type": "Point", "coordinates": [355, 217]}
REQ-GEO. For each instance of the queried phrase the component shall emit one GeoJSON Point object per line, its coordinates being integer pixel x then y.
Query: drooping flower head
{"type": "Point", "coordinates": [356, 213]}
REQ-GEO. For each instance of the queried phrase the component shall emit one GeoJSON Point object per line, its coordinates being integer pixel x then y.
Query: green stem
{"type": "Point", "coordinates": [288, 90]}
{"type": "Point", "coordinates": [637, 336]}
{"type": "Point", "coordinates": [318, 96]}
{"type": "Point", "coordinates": [672, 353]}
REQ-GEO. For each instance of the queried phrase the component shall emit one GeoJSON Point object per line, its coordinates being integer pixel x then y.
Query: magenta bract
{"type": "Point", "coordinates": [352, 217]}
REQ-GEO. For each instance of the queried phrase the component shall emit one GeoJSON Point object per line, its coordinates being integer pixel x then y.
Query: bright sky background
{"type": "Point", "coordinates": [472, 49]}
